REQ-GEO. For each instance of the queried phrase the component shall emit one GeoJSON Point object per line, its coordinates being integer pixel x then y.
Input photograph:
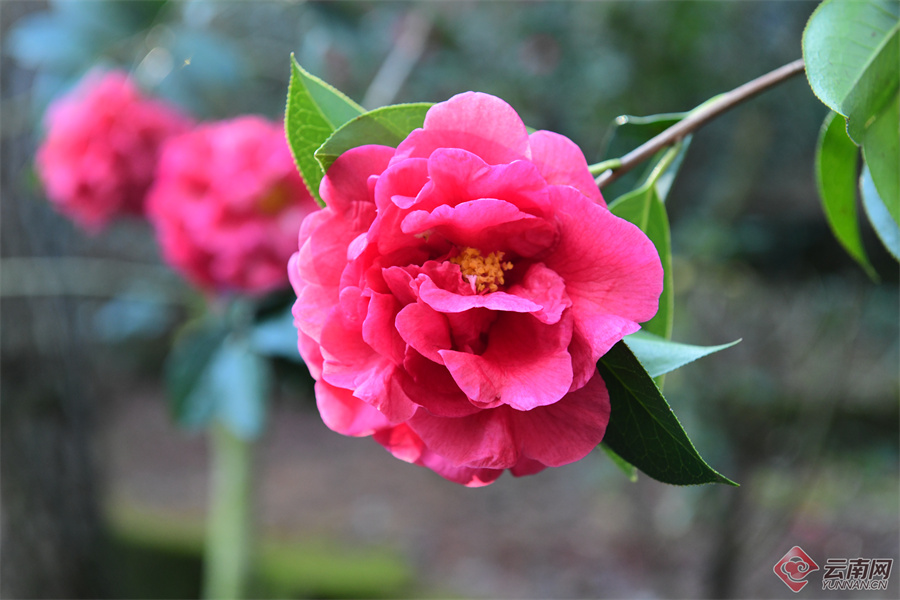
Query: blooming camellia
{"type": "Point", "coordinates": [227, 204]}
{"type": "Point", "coordinates": [454, 297]}
{"type": "Point", "coordinates": [102, 145]}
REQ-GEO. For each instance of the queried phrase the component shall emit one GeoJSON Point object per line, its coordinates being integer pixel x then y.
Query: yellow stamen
{"type": "Point", "coordinates": [483, 272]}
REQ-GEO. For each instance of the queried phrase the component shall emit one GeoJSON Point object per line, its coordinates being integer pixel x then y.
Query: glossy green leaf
{"type": "Point", "coordinates": [238, 380]}
{"type": "Point", "coordinates": [882, 221]}
{"type": "Point", "coordinates": [386, 126]}
{"type": "Point", "coordinates": [836, 158]}
{"type": "Point", "coordinates": [881, 149]}
{"type": "Point", "coordinates": [642, 428]}
{"type": "Point", "coordinates": [314, 111]}
{"type": "Point", "coordinates": [667, 177]}
{"type": "Point", "coordinates": [185, 369]}
{"type": "Point", "coordinates": [626, 467]}
{"type": "Point", "coordinates": [852, 50]}
{"type": "Point", "coordinates": [660, 356]}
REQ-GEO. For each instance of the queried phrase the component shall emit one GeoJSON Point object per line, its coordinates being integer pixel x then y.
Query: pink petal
{"type": "Point", "coordinates": [584, 365]}
{"type": "Point", "coordinates": [458, 176]}
{"type": "Point", "coordinates": [345, 414]}
{"type": "Point", "coordinates": [526, 364]}
{"type": "Point", "coordinates": [347, 180]}
{"type": "Point", "coordinates": [378, 329]}
{"type": "Point", "coordinates": [546, 288]}
{"type": "Point", "coordinates": [431, 386]}
{"type": "Point", "coordinates": [403, 443]}
{"type": "Point", "coordinates": [483, 440]}
{"type": "Point", "coordinates": [479, 123]}
{"type": "Point", "coordinates": [396, 189]}
{"type": "Point", "coordinates": [612, 271]}
{"type": "Point", "coordinates": [561, 162]}
{"type": "Point", "coordinates": [451, 302]}
{"type": "Point", "coordinates": [566, 431]}
{"type": "Point", "coordinates": [323, 254]}
{"type": "Point", "coordinates": [424, 329]}
{"type": "Point", "coordinates": [486, 224]}
{"type": "Point", "coordinates": [527, 466]}
{"type": "Point", "coordinates": [311, 353]}
{"type": "Point", "coordinates": [351, 363]}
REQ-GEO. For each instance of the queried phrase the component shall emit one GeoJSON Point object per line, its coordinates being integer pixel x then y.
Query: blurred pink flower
{"type": "Point", "coordinates": [102, 144]}
{"type": "Point", "coordinates": [455, 295]}
{"type": "Point", "coordinates": [227, 205]}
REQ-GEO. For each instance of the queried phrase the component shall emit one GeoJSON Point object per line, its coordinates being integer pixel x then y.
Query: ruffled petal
{"type": "Point", "coordinates": [424, 329]}
{"type": "Point", "coordinates": [450, 302]}
{"type": "Point", "coordinates": [526, 364]}
{"type": "Point", "coordinates": [562, 162]}
{"type": "Point", "coordinates": [483, 440]}
{"type": "Point", "coordinates": [430, 385]}
{"type": "Point", "coordinates": [480, 123]}
{"type": "Point", "coordinates": [457, 175]}
{"type": "Point", "coordinates": [345, 414]}
{"type": "Point", "coordinates": [546, 288]}
{"type": "Point", "coordinates": [487, 224]}
{"type": "Point", "coordinates": [403, 443]}
{"type": "Point", "coordinates": [347, 181]}
{"type": "Point", "coordinates": [612, 270]}
{"type": "Point", "coordinates": [566, 431]}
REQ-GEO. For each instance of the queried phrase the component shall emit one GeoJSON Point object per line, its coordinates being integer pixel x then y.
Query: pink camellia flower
{"type": "Point", "coordinates": [455, 295]}
{"type": "Point", "coordinates": [101, 148]}
{"type": "Point", "coordinates": [227, 204]}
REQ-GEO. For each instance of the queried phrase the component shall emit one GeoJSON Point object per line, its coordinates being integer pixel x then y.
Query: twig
{"type": "Point", "coordinates": [400, 61]}
{"type": "Point", "coordinates": [699, 118]}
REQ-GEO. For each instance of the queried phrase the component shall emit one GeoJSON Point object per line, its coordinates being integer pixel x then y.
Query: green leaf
{"type": "Point", "coordinates": [642, 428]}
{"type": "Point", "coordinates": [660, 356]}
{"type": "Point", "coordinates": [190, 357]}
{"type": "Point", "coordinates": [626, 467]}
{"type": "Point", "coordinates": [667, 176]}
{"type": "Point", "coordinates": [386, 126]}
{"type": "Point", "coordinates": [881, 149]}
{"type": "Point", "coordinates": [836, 158]}
{"type": "Point", "coordinates": [878, 214]}
{"type": "Point", "coordinates": [851, 50]}
{"type": "Point", "coordinates": [238, 381]}
{"type": "Point", "coordinates": [314, 110]}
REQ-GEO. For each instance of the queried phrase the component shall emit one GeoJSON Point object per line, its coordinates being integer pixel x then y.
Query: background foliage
{"type": "Point", "coordinates": [803, 412]}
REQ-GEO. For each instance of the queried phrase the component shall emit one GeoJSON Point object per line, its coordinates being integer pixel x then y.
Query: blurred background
{"type": "Point", "coordinates": [103, 497]}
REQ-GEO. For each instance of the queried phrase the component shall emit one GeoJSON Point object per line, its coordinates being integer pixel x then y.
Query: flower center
{"type": "Point", "coordinates": [483, 272]}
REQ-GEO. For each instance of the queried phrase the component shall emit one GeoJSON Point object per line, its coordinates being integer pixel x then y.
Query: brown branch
{"type": "Point", "coordinates": [699, 118]}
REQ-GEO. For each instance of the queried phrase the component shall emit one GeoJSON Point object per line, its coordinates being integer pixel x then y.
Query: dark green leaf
{"type": "Point", "coordinates": [878, 214]}
{"type": "Point", "coordinates": [642, 428]}
{"type": "Point", "coordinates": [836, 158]}
{"type": "Point", "coordinates": [667, 177]}
{"type": "Point", "coordinates": [238, 380]}
{"type": "Point", "coordinates": [660, 356]}
{"type": "Point", "coordinates": [629, 469]}
{"type": "Point", "coordinates": [881, 149]}
{"type": "Point", "coordinates": [186, 365]}
{"type": "Point", "coordinates": [386, 126]}
{"type": "Point", "coordinates": [314, 111]}
{"type": "Point", "coordinates": [851, 50]}
{"type": "Point", "coordinates": [276, 336]}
